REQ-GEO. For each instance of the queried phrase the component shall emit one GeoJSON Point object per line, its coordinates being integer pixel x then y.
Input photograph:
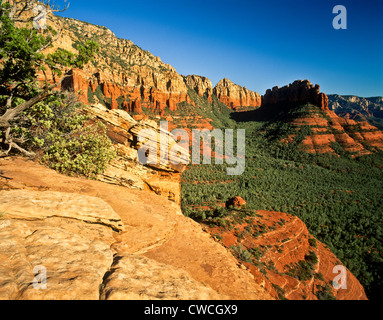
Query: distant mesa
{"type": "Point", "coordinates": [357, 108]}
{"type": "Point", "coordinates": [300, 92]}
{"type": "Point", "coordinates": [306, 111]}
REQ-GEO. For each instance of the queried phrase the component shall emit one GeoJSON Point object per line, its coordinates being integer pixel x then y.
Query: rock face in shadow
{"type": "Point", "coordinates": [297, 93]}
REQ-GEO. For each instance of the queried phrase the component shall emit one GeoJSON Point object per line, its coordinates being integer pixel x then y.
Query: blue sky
{"type": "Point", "coordinates": [257, 44]}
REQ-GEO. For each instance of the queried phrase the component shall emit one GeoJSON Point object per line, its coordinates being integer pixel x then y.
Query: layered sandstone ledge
{"type": "Point", "coordinates": [140, 247]}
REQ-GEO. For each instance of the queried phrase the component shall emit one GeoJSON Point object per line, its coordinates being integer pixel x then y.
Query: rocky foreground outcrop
{"type": "Point", "coordinates": [95, 240]}
{"type": "Point", "coordinates": [128, 170]}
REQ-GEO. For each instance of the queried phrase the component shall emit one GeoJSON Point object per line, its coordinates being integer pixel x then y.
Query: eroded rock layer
{"type": "Point", "coordinates": [156, 253]}
{"type": "Point", "coordinates": [235, 96]}
{"type": "Point", "coordinates": [284, 258]}
{"type": "Point", "coordinates": [305, 108]}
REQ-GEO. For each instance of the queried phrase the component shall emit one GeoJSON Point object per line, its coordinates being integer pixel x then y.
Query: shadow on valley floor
{"type": "Point", "coordinates": [248, 116]}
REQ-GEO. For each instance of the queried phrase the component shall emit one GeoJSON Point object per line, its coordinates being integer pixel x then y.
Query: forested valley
{"type": "Point", "coordinates": [338, 197]}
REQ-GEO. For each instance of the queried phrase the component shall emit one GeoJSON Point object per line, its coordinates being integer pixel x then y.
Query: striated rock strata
{"type": "Point", "coordinates": [157, 253]}
{"type": "Point", "coordinates": [305, 108]}
{"type": "Point", "coordinates": [235, 96]}
{"type": "Point", "coordinates": [359, 109]}
{"type": "Point", "coordinates": [128, 169]}
{"type": "Point", "coordinates": [124, 76]}
{"type": "Point", "coordinates": [272, 245]}
{"type": "Point", "coordinates": [201, 85]}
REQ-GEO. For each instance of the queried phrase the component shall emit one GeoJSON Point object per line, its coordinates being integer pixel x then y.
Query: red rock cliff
{"type": "Point", "coordinates": [235, 96]}
{"type": "Point", "coordinates": [298, 93]}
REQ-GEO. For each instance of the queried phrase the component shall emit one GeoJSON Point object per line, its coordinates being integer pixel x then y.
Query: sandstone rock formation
{"type": "Point", "coordinates": [298, 93]}
{"type": "Point", "coordinates": [201, 85]}
{"type": "Point", "coordinates": [36, 205]}
{"type": "Point", "coordinates": [328, 133]}
{"type": "Point", "coordinates": [156, 253]}
{"type": "Point", "coordinates": [235, 96]}
{"type": "Point", "coordinates": [162, 177]}
{"type": "Point", "coordinates": [282, 242]}
{"type": "Point", "coordinates": [122, 75]}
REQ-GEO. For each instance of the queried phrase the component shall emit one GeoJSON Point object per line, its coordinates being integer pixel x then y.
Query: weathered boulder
{"type": "Point", "coordinates": [236, 202]}
{"type": "Point", "coordinates": [129, 169]}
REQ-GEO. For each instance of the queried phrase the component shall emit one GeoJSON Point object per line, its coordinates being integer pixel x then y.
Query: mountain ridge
{"type": "Point", "coordinates": [125, 76]}
{"type": "Point", "coordinates": [358, 108]}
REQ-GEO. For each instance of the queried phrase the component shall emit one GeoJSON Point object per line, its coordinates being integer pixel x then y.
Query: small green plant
{"type": "Point", "coordinates": [324, 293]}
{"type": "Point", "coordinates": [64, 138]}
{"type": "Point", "coordinates": [281, 292]}
{"type": "Point", "coordinates": [319, 276]}
{"type": "Point", "coordinates": [304, 269]}
{"type": "Point", "coordinates": [87, 153]}
{"type": "Point", "coordinates": [242, 254]}
{"type": "Point", "coordinates": [313, 242]}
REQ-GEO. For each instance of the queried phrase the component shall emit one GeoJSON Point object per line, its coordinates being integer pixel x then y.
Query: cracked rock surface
{"type": "Point", "coordinates": [94, 240]}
